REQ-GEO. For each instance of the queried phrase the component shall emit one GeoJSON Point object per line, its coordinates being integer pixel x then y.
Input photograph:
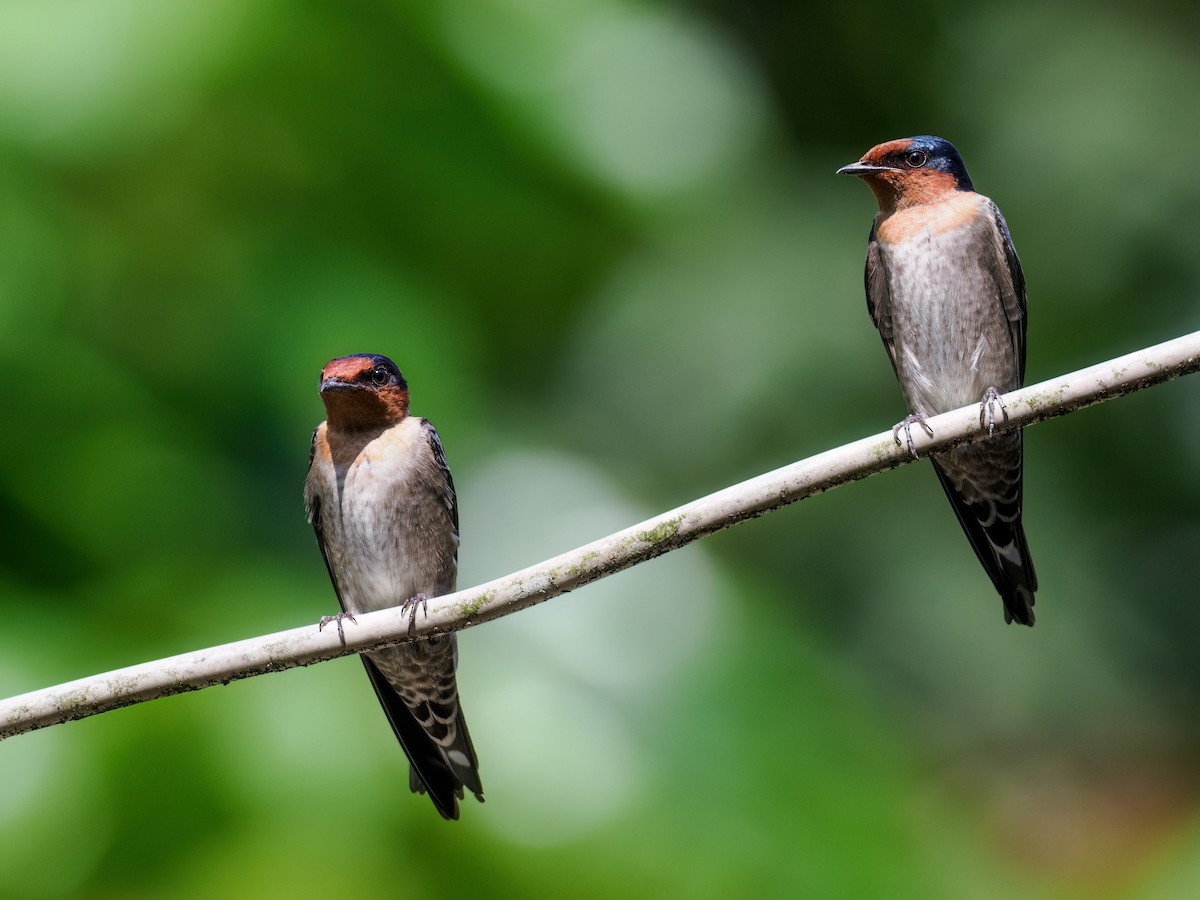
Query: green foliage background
{"type": "Point", "coordinates": [604, 242]}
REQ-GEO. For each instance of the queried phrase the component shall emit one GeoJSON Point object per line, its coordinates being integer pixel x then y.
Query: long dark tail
{"type": "Point", "coordinates": [430, 727]}
{"type": "Point", "coordinates": [983, 483]}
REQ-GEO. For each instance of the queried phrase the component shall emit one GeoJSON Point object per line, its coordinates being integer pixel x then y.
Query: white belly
{"type": "Point", "coordinates": [951, 336]}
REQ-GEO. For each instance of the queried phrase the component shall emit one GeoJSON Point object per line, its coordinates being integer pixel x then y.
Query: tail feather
{"type": "Point", "coordinates": [427, 720]}
{"type": "Point", "coordinates": [983, 482]}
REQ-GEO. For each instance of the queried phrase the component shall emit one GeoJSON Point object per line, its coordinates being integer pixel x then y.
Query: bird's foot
{"type": "Point", "coordinates": [410, 606]}
{"type": "Point", "coordinates": [325, 620]}
{"type": "Point", "coordinates": [987, 409]}
{"type": "Point", "coordinates": [907, 423]}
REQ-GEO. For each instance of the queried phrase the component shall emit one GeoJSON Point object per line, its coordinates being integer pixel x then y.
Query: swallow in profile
{"type": "Point", "coordinates": [946, 291]}
{"type": "Point", "coordinates": [380, 497]}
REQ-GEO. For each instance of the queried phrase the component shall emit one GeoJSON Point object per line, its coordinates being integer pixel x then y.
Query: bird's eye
{"type": "Point", "coordinates": [916, 158]}
{"type": "Point", "coordinates": [380, 375]}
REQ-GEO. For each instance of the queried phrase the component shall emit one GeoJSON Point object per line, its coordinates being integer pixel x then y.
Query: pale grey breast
{"type": "Point", "coordinates": [392, 536]}
{"type": "Point", "coordinates": [950, 331]}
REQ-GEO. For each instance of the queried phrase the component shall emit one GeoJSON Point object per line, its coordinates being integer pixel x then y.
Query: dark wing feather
{"type": "Point", "coordinates": [313, 513]}
{"type": "Point", "coordinates": [1011, 280]}
{"type": "Point", "coordinates": [415, 727]}
{"type": "Point", "coordinates": [428, 765]}
{"type": "Point", "coordinates": [879, 296]}
{"type": "Point", "coordinates": [983, 483]}
{"type": "Point", "coordinates": [439, 457]}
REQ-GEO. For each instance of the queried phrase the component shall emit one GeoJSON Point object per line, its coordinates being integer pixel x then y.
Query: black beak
{"type": "Point", "coordinates": [862, 168]}
{"type": "Point", "coordinates": [336, 385]}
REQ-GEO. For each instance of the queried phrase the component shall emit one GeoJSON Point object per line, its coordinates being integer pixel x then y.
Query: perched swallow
{"type": "Point", "coordinates": [945, 289]}
{"type": "Point", "coordinates": [380, 497]}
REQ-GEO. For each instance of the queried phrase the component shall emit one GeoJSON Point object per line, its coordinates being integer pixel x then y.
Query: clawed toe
{"type": "Point", "coordinates": [325, 620]}
{"type": "Point", "coordinates": [987, 410]}
{"type": "Point", "coordinates": [410, 606]}
{"type": "Point", "coordinates": [906, 423]}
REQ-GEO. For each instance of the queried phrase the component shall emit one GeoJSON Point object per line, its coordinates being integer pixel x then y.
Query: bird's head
{"type": "Point", "coordinates": [363, 391]}
{"type": "Point", "coordinates": [911, 171]}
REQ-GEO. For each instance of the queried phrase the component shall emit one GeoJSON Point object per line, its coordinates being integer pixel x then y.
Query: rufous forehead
{"type": "Point", "coordinates": [881, 151]}
{"type": "Point", "coordinates": [347, 368]}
